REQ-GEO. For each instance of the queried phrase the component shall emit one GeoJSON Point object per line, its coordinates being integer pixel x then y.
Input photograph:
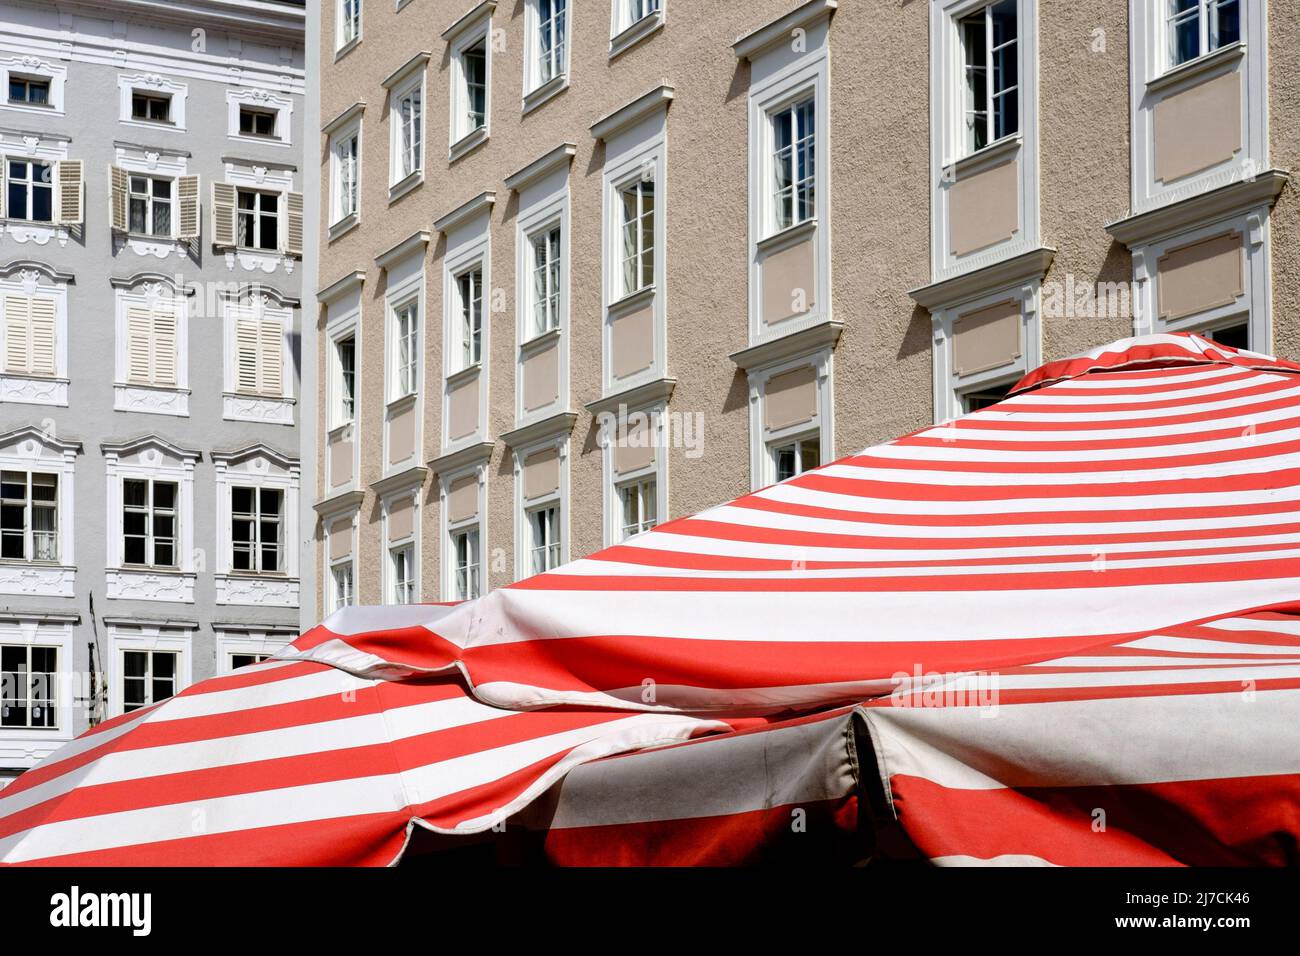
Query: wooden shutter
{"type": "Point", "coordinates": [188, 193]}
{"type": "Point", "coordinates": [223, 214]}
{"type": "Point", "coordinates": [293, 233]}
{"type": "Point", "coordinates": [117, 193]}
{"type": "Point", "coordinates": [139, 338]}
{"type": "Point", "coordinates": [164, 347]}
{"type": "Point", "coordinates": [272, 353]}
{"type": "Point", "coordinates": [69, 175]}
{"type": "Point", "coordinates": [246, 354]}
{"type": "Point", "coordinates": [17, 325]}
{"type": "Point", "coordinates": [42, 314]}
{"type": "Point", "coordinates": [4, 186]}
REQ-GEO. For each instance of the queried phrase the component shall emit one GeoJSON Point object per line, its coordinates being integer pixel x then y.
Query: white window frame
{"type": "Point", "coordinates": [151, 84]}
{"type": "Point", "coordinates": [29, 510]}
{"type": "Point", "coordinates": [468, 246]}
{"type": "Point", "coordinates": [347, 32]}
{"type": "Point", "coordinates": [340, 327]}
{"type": "Point", "coordinates": [1206, 13]}
{"type": "Point", "coordinates": [25, 747]}
{"type": "Point", "coordinates": [763, 441]}
{"type": "Point", "coordinates": [537, 90]}
{"type": "Point", "coordinates": [339, 594]}
{"type": "Point", "coordinates": [656, 471]}
{"type": "Point", "coordinates": [262, 100]}
{"type": "Point", "coordinates": [253, 641]}
{"type": "Point", "coordinates": [400, 179]}
{"type": "Point", "coordinates": [169, 164]}
{"type": "Point", "coordinates": [344, 215]}
{"type": "Point", "coordinates": [404, 377]}
{"type": "Point", "coordinates": [30, 160]}
{"type": "Point", "coordinates": [146, 638]}
{"type": "Point", "coordinates": [34, 67]}
{"type": "Point", "coordinates": [29, 449]}
{"type": "Point", "coordinates": [262, 306]}
{"type": "Point", "coordinates": [627, 29]}
{"type": "Point", "coordinates": [475, 28]}
{"type": "Point", "coordinates": [151, 201]}
{"type": "Point", "coordinates": [544, 205]}
{"type": "Point", "coordinates": [259, 467]}
{"type": "Point", "coordinates": [408, 543]}
{"type": "Point", "coordinates": [525, 507]}
{"type": "Point", "coordinates": [33, 280]}
{"type": "Point", "coordinates": [985, 13]}
{"type": "Point", "coordinates": [476, 522]}
{"type": "Point", "coordinates": [151, 291]}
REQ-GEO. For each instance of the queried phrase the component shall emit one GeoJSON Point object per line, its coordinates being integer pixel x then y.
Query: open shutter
{"type": "Point", "coordinates": [272, 352]}
{"type": "Point", "coordinates": [293, 234]}
{"type": "Point", "coordinates": [69, 174]}
{"type": "Point", "coordinates": [164, 347]}
{"type": "Point", "coordinates": [188, 196]}
{"type": "Point", "coordinates": [17, 324]}
{"type": "Point", "coordinates": [139, 335]}
{"type": "Point", "coordinates": [246, 351]}
{"type": "Point", "coordinates": [41, 313]}
{"type": "Point", "coordinates": [4, 186]}
{"type": "Point", "coordinates": [223, 214]}
{"type": "Point", "coordinates": [117, 198]}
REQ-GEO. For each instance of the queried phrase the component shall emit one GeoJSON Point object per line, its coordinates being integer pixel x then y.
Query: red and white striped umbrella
{"type": "Point", "coordinates": [1031, 569]}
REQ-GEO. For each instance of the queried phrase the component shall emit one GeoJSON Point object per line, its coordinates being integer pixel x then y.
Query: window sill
{"type": "Point", "coordinates": [257, 588]}
{"type": "Point", "coordinates": [400, 403]}
{"type": "Point", "coordinates": [631, 36]}
{"type": "Point", "coordinates": [264, 409]}
{"type": "Point", "coordinates": [132, 582]}
{"type": "Point", "coordinates": [43, 109]}
{"type": "Point", "coordinates": [33, 389]}
{"type": "Point", "coordinates": [541, 340]}
{"type": "Point", "coordinates": [254, 140]}
{"type": "Point", "coordinates": [347, 48]}
{"type": "Point", "coordinates": [787, 236]}
{"type": "Point", "coordinates": [151, 399]}
{"type": "Point", "coordinates": [632, 300]}
{"type": "Point", "coordinates": [987, 155]}
{"type": "Point", "coordinates": [343, 226]}
{"type": "Point", "coordinates": [405, 185]}
{"type": "Point", "coordinates": [460, 376]}
{"type": "Point", "coordinates": [37, 578]}
{"type": "Point", "coordinates": [1198, 67]}
{"type": "Point", "coordinates": [547, 91]}
{"type": "Point", "coordinates": [467, 144]}
{"type": "Point", "coordinates": [154, 126]}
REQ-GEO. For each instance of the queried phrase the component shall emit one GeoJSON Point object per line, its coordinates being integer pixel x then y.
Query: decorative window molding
{"type": "Point", "coordinates": [541, 472]}
{"type": "Point", "coordinates": [147, 638]}
{"type": "Point", "coordinates": [34, 67]}
{"type": "Point", "coordinates": [343, 386]}
{"type": "Point", "coordinates": [345, 170]}
{"type": "Point", "coordinates": [465, 371]}
{"type": "Point", "coordinates": [259, 467]}
{"type": "Point", "coordinates": [256, 100]}
{"type": "Point", "coordinates": [152, 363]}
{"type": "Point", "coordinates": [254, 641]}
{"type": "Point", "coordinates": [635, 464]}
{"type": "Point", "coordinates": [402, 517]}
{"type": "Point", "coordinates": [156, 87]}
{"type": "Point", "coordinates": [462, 504]}
{"type": "Point", "coordinates": [25, 744]}
{"type": "Point", "coordinates": [803, 413]}
{"type": "Point", "coordinates": [548, 32]}
{"type": "Point", "coordinates": [154, 460]}
{"type": "Point", "coordinates": [53, 205]}
{"type": "Point", "coordinates": [984, 202]}
{"type": "Point", "coordinates": [34, 300]}
{"type": "Point", "coordinates": [470, 41]}
{"type": "Point", "coordinates": [632, 21]}
{"type": "Point", "coordinates": [408, 124]}
{"type": "Point", "coordinates": [405, 331]}
{"type": "Point", "coordinates": [29, 451]}
{"type": "Point", "coordinates": [339, 528]}
{"type": "Point", "coordinates": [348, 26]}
{"type": "Point", "coordinates": [258, 363]}
{"type": "Point", "coordinates": [255, 196]}
{"type": "Point", "coordinates": [133, 205]}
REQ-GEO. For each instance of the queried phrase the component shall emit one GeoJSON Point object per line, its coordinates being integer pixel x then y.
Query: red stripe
{"type": "Point", "coordinates": [1087, 420]}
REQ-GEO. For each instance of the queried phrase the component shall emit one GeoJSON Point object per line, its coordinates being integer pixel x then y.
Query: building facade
{"type": "Point", "coordinates": [589, 265]}
{"type": "Point", "coordinates": [151, 233]}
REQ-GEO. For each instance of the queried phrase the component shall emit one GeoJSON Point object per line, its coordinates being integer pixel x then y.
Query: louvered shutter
{"type": "Point", "coordinates": [272, 351]}
{"type": "Point", "coordinates": [41, 312]}
{"type": "Point", "coordinates": [188, 193]}
{"type": "Point", "coordinates": [164, 347]}
{"type": "Point", "coordinates": [139, 336]}
{"type": "Point", "coordinates": [293, 234]}
{"type": "Point", "coordinates": [117, 198]}
{"type": "Point", "coordinates": [70, 177]}
{"type": "Point", "coordinates": [223, 214]}
{"type": "Point", "coordinates": [4, 185]}
{"type": "Point", "coordinates": [246, 355]}
{"type": "Point", "coordinates": [17, 324]}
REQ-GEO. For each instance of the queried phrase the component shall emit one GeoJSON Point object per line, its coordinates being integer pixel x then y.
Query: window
{"type": "Point", "coordinates": [410, 133]}
{"type": "Point", "coordinates": [1197, 27]}
{"type": "Point", "coordinates": [151, 107]}
{"type": "Point", "coordinates": [149, 522]}
{"type": "Point", "coordinates": [259, 356]}
{"type": "Point", "coordinates": [473, 61]}
{"type": "Point", "coordinates": [1235, 336]}
{"type": "Point", "coordinates": [28, 677]}
{"type": "Point", "coordinates": [29, 516]}
{"type": "Point", "coordinates": [796, 457]}
{"type": "Point", "coordinates": [147, 678]}
{"type": "Point", "coordinates": [349, 21]}
{"type": "Point", "coordinates": [255, 122]}
{"type": "Point", "coordinates": [151, 345]}
{"type": "Point", "coordinates": [28, 90]}
{"type": "Point", "coordinates": [247, 660]}
{"type": "Point", "coordinates": [469, 286]}
{"type": "Point", "coordinates": [990, 62]}
{"type": "Point", "coordinates": [341, 574]}
{"type": "Point", "coordinates": [256, 517]}
{"type": "Point", "coordinates": [345, 353]}
{"type": "Point", "coordinates": [468, 569]}
{"type": "Point", "coordinates": [403, 569]}
{"type": "Point", "coordinates": [552, 50]}
{"type": "Point", "coordinates": [407, 331]}
{"type": "Point", "coordinates": [151, 206]}
{"type": "Point", "coordinates": [983, 397]}
{"type": "Point", "coordinates": [638, 499]}
{"type": "Point", "coordinates": [544, 532]}
{"type": "Point", "coordinates": [30, 325]}
{"type": "Point", "coordinates": [546, 280]}
{"type": "Point", "coordinates": [794, 163]}
{"type": "Point", "coordinates": [346, 170]}
{"type": "Point", "coordinates": [259, 219]}
{"type": "Point", "coordinates": [638, 10]}
{"type": "Point", "coordinates": [30, 191]}
{"type": "Point", "coordinates": [638, 252]}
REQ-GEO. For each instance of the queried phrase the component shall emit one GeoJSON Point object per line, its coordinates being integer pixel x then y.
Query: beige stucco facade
{"type": "Point", "coordinates": [866, 324]}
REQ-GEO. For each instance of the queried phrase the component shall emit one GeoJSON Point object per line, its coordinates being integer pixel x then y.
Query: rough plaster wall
{"type": "Point", "coordinates": [1284, 153]}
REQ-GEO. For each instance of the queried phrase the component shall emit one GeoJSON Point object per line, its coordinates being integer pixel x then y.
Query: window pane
{"type": "Point", "coordinates": [1226, 24]}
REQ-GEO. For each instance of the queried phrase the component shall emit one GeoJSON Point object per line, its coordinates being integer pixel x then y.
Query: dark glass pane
{"type": "Point", "coordinates": [164, 665]}
{"type": "Point", "coordinates": [164, 494]}
{"type": "Point", "coordinates": [241, 500]}
{"type": "Point", "coordinates": [135, 663]}
{"type": "Point", "coordinates": [134, 492]}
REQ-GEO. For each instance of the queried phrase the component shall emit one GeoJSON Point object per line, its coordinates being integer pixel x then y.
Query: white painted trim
{"type": "Point", "coordinates": [761, 468]}
{"type": "Point", "coordinates": [147, 637]}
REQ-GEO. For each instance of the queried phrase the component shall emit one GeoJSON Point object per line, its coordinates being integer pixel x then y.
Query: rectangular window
{"type": "Point", "coordinates": [29, 91]}
{"type": "Point", "coordinates": [978, 398]}
{"type": "Point", "coordinates": [640, 506]}
{"type": "Point", "coordinates": [346, 168]}
{"type": "Point", "coordinates": [544, 530]}
{"type": "Point", "coordinates": [638, 218]}
{"type": "Point", "coordinates": [28, 678]}
{"type": "Point", "coordinates": [795, 457]}
{"type": "Point", "coordinates": [149, 522]}
{"type": "Point", "coordinates": [151, 346]}
{"type": "Point", "coordinates": [1197, 27]}
{"type": "Point", "coordinates": [410, 136]}
{"type": "Point", "coordinates": [407, 358]}
{"type": "Point", "coordinates": [147, 678]}
{"type": "Point", "coordinates": [794, 163]}
{"type": "Point", "coordinates": [349, 21]}
{"type": "Point", "coordinates": [151, 107]}
{"type": "Point", "coordinates": [991, 65]}
{"type": "Point", "coordinates": [638, 10]}
{"type": "Point", "coordinates": [546, 280]}
{"type": "Point", "coordinates": [469, 287]}
{"type": "Point", "coordinates": [342, 577]}
{"type": "Point", "coordinates": [256, 521]}
{"type": "Point", "coordinates": [255, 122]}
{"type": "Point", "coordinates": [345, 351]}
{"type": "Point", "coordinates": [465, 545]}
{"type": "Point", "coordinates": [30, 325]}
{"type": "Point", "coordinates": [151, 206]}
{"type": "Point", "coordinates": [259, 220]}
{"type": "Point", "coordinates": [247, 660]}
{"type": "Point", "coordinates": [30, 191]}
{"type": "Point", "coordinates": [473, 62]}
{"type": "Point", "coordinates": [403, 568]}
{"type": "Point", "coordinates": [552, 54]}
{"type": "Point", "coordinates": [259, 356]}
{"type": "Point", "coordinates": [29, 516]}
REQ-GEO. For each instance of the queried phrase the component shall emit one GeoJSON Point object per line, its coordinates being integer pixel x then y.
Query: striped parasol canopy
{"type": "Point", "coordinates": [1063, 629]}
